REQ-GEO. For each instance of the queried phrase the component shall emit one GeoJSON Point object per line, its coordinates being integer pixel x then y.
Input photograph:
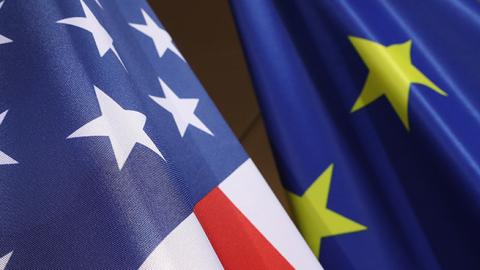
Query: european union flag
{"type": "Point", "coordinates": [372, 110]}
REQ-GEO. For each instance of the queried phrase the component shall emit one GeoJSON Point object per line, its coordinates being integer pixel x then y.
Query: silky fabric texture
{"type": "Point", "coordinates": [416, 189]}
{"type": "Point", "coordinates": [67, 204]}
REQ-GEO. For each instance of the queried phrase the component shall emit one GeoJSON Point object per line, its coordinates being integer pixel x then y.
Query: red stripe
{"type": "Point", "coordinates": [238, 244]}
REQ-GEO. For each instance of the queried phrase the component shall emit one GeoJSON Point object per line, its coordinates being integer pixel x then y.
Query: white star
{"type": "Point", "coordinates": [160, 37]}
{"type": "Point", "coordinates": [4, 39]}
{"type": "Point", "coordinates": [103, 40]}
{"type": "Point", "coordinates": [4, 158]}
{"type": "Point", "coordinates": [182, 109]}
{"type": "Point", "coordinates": [4, 260]}
{"type": "Point", "coordinates": [124, 128]}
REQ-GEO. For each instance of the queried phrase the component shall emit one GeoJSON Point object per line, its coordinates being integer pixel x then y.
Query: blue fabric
{"type": "Point", "coordinates": [66, 204]}
{"type": "Point", "coordinates": [417, 191]}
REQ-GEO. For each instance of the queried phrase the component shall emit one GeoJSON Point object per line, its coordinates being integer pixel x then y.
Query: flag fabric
{"type": "Point", "coordinates": [114, 157]}
{"type": "Point", "coordinates": [372, 108]}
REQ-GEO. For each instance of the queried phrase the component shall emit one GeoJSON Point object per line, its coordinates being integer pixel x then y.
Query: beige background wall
{"type": "Point", "coordinates": [205, 33]}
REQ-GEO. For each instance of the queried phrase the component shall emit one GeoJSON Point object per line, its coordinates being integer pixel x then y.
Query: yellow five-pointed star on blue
{"type": "Point", "coordinates": [314, 220]}
{"type": "Point", "coordinates": [391, 74]}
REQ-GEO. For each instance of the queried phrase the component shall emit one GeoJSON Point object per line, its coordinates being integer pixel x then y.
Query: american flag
{"type": "Point", "coordinates": [114, 157]}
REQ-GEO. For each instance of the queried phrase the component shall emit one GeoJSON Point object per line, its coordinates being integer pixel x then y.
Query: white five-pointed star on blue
{"type": "Point", "coordinates": [4, 260]}
{"type": "Point", "coordinates": [102, 38]}
{"type": "Point", "coordinates": [3, 39]}
{"type": "Point", "coordinates": [123, 127]}
{"type": "Point", "coordinates": [182, 109]}
{"type": "Point", "coordinates": [4, 158]}
{"type": "Point", "coordinates": [161, 39]}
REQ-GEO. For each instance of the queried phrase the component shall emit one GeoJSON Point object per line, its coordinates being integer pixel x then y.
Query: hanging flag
{"type": "Point", "coordinates": [114, 157]}
{"type": "Point", "coordinates": [372, 108]}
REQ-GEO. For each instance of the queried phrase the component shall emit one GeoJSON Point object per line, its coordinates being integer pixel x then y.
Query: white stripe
{"type": "Point", "coordinates": [247, 189]}
{"type": "Point", "coordinates": [185, 248]}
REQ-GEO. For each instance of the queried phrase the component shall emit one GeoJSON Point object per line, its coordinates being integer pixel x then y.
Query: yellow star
{"type": "Point", "coordinates": [391, 73]}
{"type": "Point", "coordinates": [314, 219]}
